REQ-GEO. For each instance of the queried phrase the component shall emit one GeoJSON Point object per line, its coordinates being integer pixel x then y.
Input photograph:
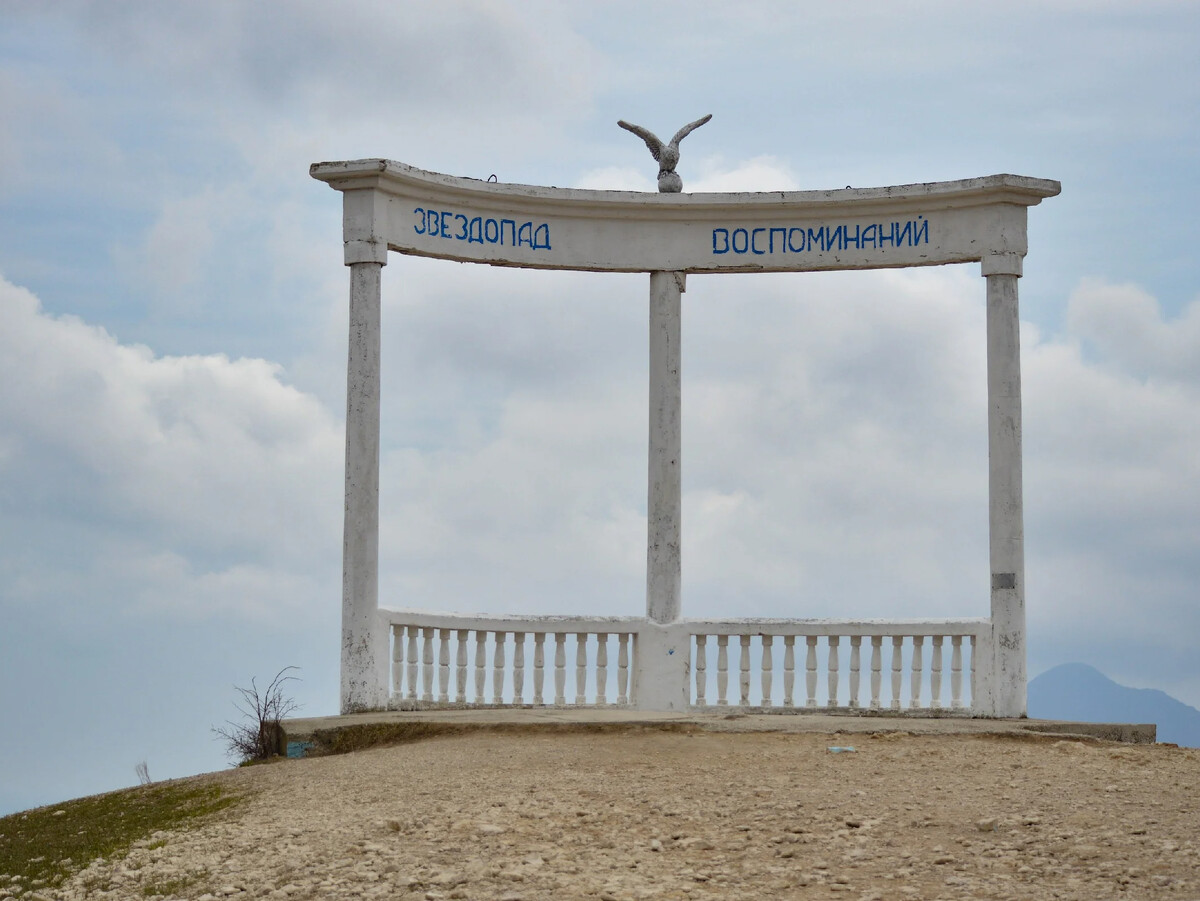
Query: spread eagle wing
{"type": "Point", "coordinates": [688, 129]}
{"type": "Point", "coordinates": [649, 137]}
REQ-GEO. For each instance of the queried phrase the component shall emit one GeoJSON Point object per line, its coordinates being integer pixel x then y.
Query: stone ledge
{"type": "Point", "coordinates": [340, 734]}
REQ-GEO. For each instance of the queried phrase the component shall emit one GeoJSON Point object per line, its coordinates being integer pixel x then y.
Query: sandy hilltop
{"type": "Point", "coordinates": [693, 814]}
{"type": "Point", "coordinates": [649, 814]}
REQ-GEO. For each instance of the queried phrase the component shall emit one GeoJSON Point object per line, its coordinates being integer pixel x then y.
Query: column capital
{"type": "Point", "coordinates": [373, 250]}
{"type": "Point", "coordinates": [1002, 264]}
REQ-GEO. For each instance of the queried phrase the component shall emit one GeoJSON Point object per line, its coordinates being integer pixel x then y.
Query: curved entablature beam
{"type": "Point", "coordinates": [398, 207]}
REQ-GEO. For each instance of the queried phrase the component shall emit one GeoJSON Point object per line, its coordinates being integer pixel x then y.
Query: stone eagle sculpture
{"type": "Point", "coordinates": [667, 156]}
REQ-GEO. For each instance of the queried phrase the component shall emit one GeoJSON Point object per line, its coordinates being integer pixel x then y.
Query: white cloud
{"type": "Point", "coordinates": [1125, 326]}
{"type": "Point", "coordinates": [708, 174]}
{"type": "Point", "coordinates": [200, 472]}
{"type": "Point", "coordinates": [835, 458]}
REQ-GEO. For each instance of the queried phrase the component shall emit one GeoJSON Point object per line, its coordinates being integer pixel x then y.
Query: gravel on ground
{"type": "Point", "coordinates": [648, 814]}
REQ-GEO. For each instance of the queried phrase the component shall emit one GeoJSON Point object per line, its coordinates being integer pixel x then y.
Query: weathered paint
{"type": "Point", "coordinates": [363, 664]}
{"type": "Point", "coordinates": [1005, 494]}
{"type": "Point", "coordinates": [664, 504]}
{"type": "Point", "coordinates": [389, 205]}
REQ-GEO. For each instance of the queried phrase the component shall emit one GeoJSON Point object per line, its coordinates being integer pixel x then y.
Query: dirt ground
{"type": "Point", "coordinates": [650, 814]}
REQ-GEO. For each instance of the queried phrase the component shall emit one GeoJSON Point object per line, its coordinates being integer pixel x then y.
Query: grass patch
{"type": "Point", "coordinates": [45, 846]}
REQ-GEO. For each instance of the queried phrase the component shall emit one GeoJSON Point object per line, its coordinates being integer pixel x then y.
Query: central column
{"type": "Point", "coordinates": [662, 664]}
{"type": "Point", "coordinates": [663, 561]}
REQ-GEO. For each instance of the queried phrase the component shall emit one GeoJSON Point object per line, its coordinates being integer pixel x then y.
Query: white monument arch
{"type": "Point", "coordinates": [406, 658]}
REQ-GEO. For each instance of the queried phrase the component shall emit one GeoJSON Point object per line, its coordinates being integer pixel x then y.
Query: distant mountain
{"type": "Point", "coordinates": [1075, 691]}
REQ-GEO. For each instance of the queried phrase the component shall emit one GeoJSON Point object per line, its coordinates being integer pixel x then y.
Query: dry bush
{"type": "Point", "coordinates": [261, 736]}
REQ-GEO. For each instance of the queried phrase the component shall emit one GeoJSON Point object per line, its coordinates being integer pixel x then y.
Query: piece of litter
{"type": "Point", "coordinates": [840, 750]}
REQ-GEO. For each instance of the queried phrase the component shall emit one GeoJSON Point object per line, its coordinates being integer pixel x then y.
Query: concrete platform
{"type": "Point", "coordinates": [339, 734]}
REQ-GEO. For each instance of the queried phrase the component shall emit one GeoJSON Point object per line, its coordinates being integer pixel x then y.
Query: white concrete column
{"type": "Point", "coordinates": [662, 652]}
{"type": "Point", "coordinates": [364, 640]}
{"type": "Point", "coordinates": [1005, 501]}
{"type": "Point", "coordinates": [663, 561]}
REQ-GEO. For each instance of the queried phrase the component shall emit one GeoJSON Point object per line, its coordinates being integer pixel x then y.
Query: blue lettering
{"type": "Point", "coordinates": [543, 231]}
{"type": "Point", "coordinates": [462, 235]}
{"type": "Point", "coordinates": [754, 243]}
{"type": "Point", "coordinates": [513, 225]}
{"type": "Point", "coordinates": [887, 236]}
{"type": "Point", "coordinates": [869, 235]}
{"type": "Point", "coordinates": [446, 217]}
{"type": "Point", "coordinates": [745, 240]}
{"type": "Point", "coordinates": [433, 222]}
{"type": "Point", "coordinates": [724, 240]}
{"type": "Point", "coordinates": [791, 246]}
{"type": "Point", "coordinates": [838, 235]}
{"type": "Point", "coordinates": [922, 232]}
{"type": "Point", "coordinates": [491, 231]}
{"type": "Point", "coordinates": [525, 235]}
{"type": "Point", "coordinates": [856, 239]}
{"type": "Point", "coordinates": [475, 231]}
{"type": "Point", "coordinates": [782, 240]}
{"type": "Point", "coordinates": [817, 239]}
{"type": "Point", "coordinates": [420, 211]}
{"type": "Point", "coordinates": [905, 232]}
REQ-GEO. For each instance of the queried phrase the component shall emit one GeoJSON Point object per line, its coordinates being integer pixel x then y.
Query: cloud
{"type": "Point", "coordinates": [835, 456]}
{"type": "Point", "coordinates": [1124, 326]}
{"type": "Point", "coordinates": [713, 173]}
{"type": "Point", "coordinates": [172, 478]}
{"type": "Point", "coordinates": [835, 459]}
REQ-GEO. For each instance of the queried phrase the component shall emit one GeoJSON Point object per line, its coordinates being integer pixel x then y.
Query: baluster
{"type": "Point", "coordinates": [744, 670]}
{"type": "Point", "coordinates": [560, 668]}
{"type": "Point", "coordinates": [722, 670]}
{"type": "Point", "coordinates": [767, 663]}
{"type": "Point", "coordinates": [876, 666]}
{"type": "Point", "coordinates": [974, 690]}
{"type": "Point", "coordinates": [397, 662]}
{"type": "Point", "coordinates": [443, 666]}
{"type": "Point", "coordinates": [855, 642]}
{"type": "Point", "coordinates": [623, 668]}
{"type": "Point", "coordinates": [897, 640]}
{"type": "Point", "coordinates": [480, 664]}
{"type": "Point", "coordinates": [833, 640]}
{"type": "Point", "coordinates": [914, 683]}
{"type": "Point", "coordinates": [580, 667]}
{"type": "Point", "coordinates": [539, 667]}
{"type": "Point", "coordinates": [701, 669]}
{"type": "Point", "coordinates": [518, 667]}
{"type": "Point", "coordinates": [460, 675]}
{"type": "Point", "coordinates": [602, 668]}
{"type": "Point", "coordinates": [498, 670]}
{"type": "Point", "coordinates": [412, 663]}
{"type": "Point", "coordinates": [810, 667]}
{"type": "Point", "coordinates": [789, 669]}
{"type": "Point", "coordinates": [427, 665]}
{"type": "Point", "coordinates": [935, 673]}
{"type": "Point", "coordinates": [956, 671]}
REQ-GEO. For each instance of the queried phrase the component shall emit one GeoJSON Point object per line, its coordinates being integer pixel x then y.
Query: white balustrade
{"type": "Point", "coordinates": [827, 672]}
{"type": "Point", "coordinates": [427, 648]}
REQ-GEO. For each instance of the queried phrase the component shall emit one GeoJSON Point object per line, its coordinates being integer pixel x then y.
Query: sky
{"type": "Point", "coordinates": [173, 331]}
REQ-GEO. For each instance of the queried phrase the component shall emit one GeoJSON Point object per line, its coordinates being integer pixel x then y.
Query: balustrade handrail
{"type": "Point", "coordinates": [836, 627]}
{"type": "Point", "coordinates": [505, 622]}
{"type": "Point", "coordinates": [510, 622]}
